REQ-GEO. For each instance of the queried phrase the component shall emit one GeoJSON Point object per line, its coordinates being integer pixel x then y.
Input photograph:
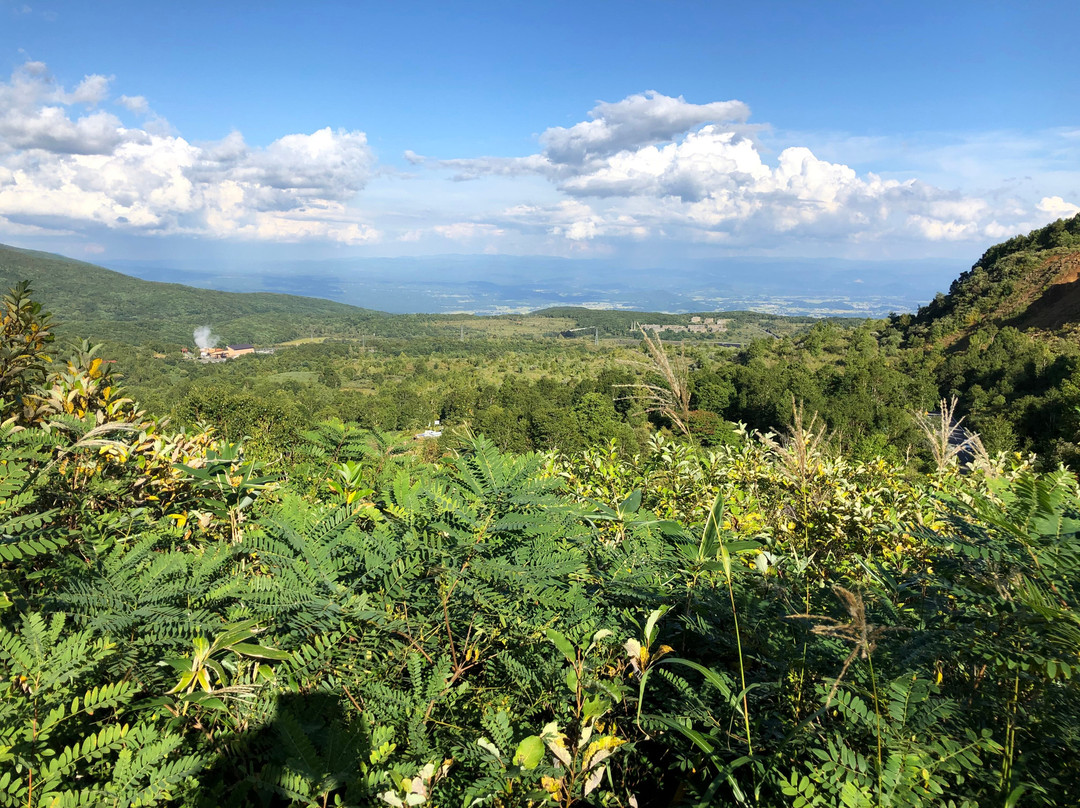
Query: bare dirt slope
{"type": "Point", "coordinates": [1056, 300]}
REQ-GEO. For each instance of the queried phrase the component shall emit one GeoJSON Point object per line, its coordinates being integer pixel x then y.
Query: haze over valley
{"type": "Point", "coordinates": [518, 284]}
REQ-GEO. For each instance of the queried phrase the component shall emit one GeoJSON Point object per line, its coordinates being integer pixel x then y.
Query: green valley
{"type": "Point", "coordinates": [735, 559]}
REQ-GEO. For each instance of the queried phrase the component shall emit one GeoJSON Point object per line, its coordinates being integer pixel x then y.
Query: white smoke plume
{"type": "Point", "coordinates": [204, 338]}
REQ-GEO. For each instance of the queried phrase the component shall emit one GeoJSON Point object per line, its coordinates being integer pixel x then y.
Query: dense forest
{"type": "Point", "coordinates": [838, 565]}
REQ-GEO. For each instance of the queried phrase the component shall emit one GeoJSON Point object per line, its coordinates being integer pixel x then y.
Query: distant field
{"type": "Point", "coordinates": [302, 376]}
{"type": "Point", "coordinates": [508, 327]}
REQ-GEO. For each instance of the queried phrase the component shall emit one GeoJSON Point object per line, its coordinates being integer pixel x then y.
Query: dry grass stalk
{"type": "Point", "coordinates": [947, 438]}
{"type": "Point", "coordinates": [803, 445]}
{"type": "Point", "coordinates": [858, 631]}
{"type": "Point", "coordinates": [671, 399]}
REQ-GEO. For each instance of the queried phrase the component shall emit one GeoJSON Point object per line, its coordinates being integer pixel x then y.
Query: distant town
{"type": "Point", "coordinates": [698, 325]}
{"type": "Point", "coordinates": [210, 355]}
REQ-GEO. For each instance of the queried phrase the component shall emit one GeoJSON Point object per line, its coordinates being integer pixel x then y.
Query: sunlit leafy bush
{"type": "Point", "coordinates": [763, 623]}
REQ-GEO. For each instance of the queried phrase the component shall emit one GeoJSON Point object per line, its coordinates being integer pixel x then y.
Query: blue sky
{"type": "Point", "coordinates": [668, 129]}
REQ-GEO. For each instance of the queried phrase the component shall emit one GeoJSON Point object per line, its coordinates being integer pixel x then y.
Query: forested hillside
{"type": "Point", "coordinates": [97, 303]}
{"type": "Point", "coordinates": [647, 575]}
{"type": "Point", "coordinates": [1028, 282]}
{"type": "Point", "coordinates": [528, 389]}
{"type": "Point", "coordinates": [1004, 341]}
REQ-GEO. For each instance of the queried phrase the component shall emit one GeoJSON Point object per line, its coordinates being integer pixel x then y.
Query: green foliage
{"type": "Point", "coordinates": [25, 527]}
{"type": "Point", "coordinates": [1011, 570]}
{"type": "Point", "coordinates": [25, 334]}
{"type": "Point", "coordinates": [340, 620]}
{"type": "Point", "coordinates": [65, 736]}
{"type": "Point", "coordinates": [917, 763]}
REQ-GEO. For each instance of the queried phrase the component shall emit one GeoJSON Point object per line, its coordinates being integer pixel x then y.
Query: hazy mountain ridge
{"type": "Point", "coordinates": [1031, 282]}
{"type": "Point", "coordinates": [102, 304]}
{"type": "Point", "coordinates": [503, 284]}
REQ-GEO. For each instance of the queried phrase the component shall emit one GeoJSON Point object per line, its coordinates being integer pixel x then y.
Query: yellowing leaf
{"type": "Point", "coordinates": [594, 780]}
{"type": "Point", "coordinates": [557, 745]}
{"type": "Point", "coordinates": [550, 785]}
{"type": "Point", "coordinates": [607, 742]}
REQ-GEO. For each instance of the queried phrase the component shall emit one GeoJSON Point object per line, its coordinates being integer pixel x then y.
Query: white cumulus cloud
{"type": "Point", "coordinates": [636, 121]}
{"type": "Point", "coordinates": [657, 165]}
{"type": "Point", "coordinates": [134, 103]}
{"type": "Point", "coordinates": [64, 163]}
{"type": "Point", "coordinates": [91, 90]}
{"type": "Point", "coordinates": [1057, 208]}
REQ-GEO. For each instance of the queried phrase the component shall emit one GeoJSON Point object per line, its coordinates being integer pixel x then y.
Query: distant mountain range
{"type": "Point", "coordinates": [1031, 282]}
{"type": "Point", "coordinates": [483, 284]}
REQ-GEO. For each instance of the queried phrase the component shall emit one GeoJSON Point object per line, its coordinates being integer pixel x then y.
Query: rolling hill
{"type": "Point", "coordinates": [100, 304]}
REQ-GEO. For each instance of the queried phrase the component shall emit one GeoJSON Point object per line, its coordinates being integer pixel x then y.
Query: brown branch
{"type": "Point", "coordinates": [351, 699]}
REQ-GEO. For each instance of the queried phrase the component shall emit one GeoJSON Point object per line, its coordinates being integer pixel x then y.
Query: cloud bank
{"type": "Point", "coordinates": [648, 168]}
{"type": "Point", "coordinates": [656, 166]}
{"type": "Point", "coordinates": [67, 162]}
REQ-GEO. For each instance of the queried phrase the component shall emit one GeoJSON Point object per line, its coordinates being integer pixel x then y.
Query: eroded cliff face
{"type": "Point", "coordinates": [1055, 303]}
